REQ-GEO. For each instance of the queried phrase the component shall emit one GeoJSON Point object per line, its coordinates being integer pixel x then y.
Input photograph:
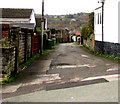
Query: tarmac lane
{"type": "Point", "coordinates": [68, 68]}
{"type": "Point", "coordinates": [72, 62]}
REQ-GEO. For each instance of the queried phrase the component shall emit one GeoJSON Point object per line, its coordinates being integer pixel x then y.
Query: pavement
{"type": "Point", "coordinates": [70, 73]}
{"type": "Point", "coordinates": [104, 93]}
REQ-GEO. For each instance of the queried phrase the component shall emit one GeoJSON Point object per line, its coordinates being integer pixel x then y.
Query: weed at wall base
{"type": "Point", "coordinates": [114, 57]}
{"type": "Point", "coordinates": [26, 65]}
{"type": "Point", "coordinates": [8, 80]}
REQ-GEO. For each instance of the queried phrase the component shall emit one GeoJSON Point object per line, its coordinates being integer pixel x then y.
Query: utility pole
{"type": "Point", "coordinates": [42, 28]}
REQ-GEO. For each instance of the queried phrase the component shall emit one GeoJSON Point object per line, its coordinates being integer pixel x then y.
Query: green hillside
{"type": "Point", "coordinates": [73, 22]}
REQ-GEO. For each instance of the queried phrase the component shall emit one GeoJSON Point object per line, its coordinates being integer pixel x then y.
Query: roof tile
{"type": "Point", "coordinates": [15, 13]}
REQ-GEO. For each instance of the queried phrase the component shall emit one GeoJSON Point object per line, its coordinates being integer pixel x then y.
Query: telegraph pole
{"type": "Point", "coordinates": [42, 27]}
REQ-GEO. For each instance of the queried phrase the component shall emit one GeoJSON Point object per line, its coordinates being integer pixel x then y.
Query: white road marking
{"type": "Point", "coordinates": [46, 78]}
{"type": "Point", "coordinates": [74, 66]}
{"type": "Point", "coordinates": [84, 56]}
{"type": "Point", "coordinates": [112, 69]}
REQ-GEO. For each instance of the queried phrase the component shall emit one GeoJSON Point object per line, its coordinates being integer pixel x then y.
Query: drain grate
{"type": "Point", "coordinates": [60, 64]}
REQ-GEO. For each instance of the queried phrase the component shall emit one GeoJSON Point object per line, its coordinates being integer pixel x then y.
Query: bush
{"type": "Point", "coordinates": [83, 32]}
{"type": "Point", "coordinates": [9, 80]}
{"type": "Point", "coordinates": [87, 31]}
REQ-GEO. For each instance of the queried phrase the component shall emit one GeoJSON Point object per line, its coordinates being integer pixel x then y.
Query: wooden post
{"type": "Point", "coordinates": [32, 34]}
{"type": "Point", "coordinates": [25, 52]}
{"type": "Point", "coordinates": [16, 51]}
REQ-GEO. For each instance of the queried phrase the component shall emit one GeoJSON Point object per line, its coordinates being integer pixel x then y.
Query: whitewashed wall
{"type": "Point", "coordinates": [33, 17]}
{"type": "Point", "coordinates": [97, 27]}
{"type": "Point", "coordinates": [119, 22]}
{"type": "Point", "coordinates": [110, 22]}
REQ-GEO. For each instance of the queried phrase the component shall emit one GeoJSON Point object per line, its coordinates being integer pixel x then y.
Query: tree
{"type": "Point", "coordinates": [83, 31]}
{"type": "Point", "coordinates": [91, 24]}
{"type": "Point", "coordinates": [87, 31]}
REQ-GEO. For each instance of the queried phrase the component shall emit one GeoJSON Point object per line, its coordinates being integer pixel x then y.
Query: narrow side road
{"type": "Point", "coordinates": [72, 62]}
{"type": "Point", "coordinates": [68, 67]}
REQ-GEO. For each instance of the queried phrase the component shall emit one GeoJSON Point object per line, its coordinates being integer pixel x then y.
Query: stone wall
{"type": "Point", "coordinates": [90, 42]}
{"type": "Point", "coordinates": [21, 48]}
{"type": "Point", "coordinates": [17, 52]}
{"type": "Point", "coordinates": [107, 48]}
{"type": "Point", "coordinates": [7, 52]}
{"type": "Point", "coordinates": [29, 46]}
{"type": "Point", "coordinates": [8, 60]}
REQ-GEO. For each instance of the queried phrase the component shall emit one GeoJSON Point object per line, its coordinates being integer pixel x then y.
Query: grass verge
{"type": "Point", "coordinates": [8, 80]}
{"type": "Point", "coordinates": [76, 43]}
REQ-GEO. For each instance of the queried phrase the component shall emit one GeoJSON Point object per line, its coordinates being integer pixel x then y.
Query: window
{"type": "Point", "coordinates": [98, 18]}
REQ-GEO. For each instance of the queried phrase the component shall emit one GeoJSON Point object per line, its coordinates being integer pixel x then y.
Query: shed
{"type": "Point", "coordinates": [17, 15]}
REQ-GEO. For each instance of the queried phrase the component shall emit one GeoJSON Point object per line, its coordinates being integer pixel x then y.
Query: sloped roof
{"type": "Point", "coordinates": [15, 13]}
{"type": "Point", "coordinates": [78, 33]}
{"type": "Point", "coordinates": [24, 25]}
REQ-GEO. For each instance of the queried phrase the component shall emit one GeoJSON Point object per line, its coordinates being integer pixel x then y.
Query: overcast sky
{"type": "Point", "coordinates": [53, 7]}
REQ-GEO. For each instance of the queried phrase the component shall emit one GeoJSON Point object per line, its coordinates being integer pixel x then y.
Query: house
{"type": "Point", "coordinates": [17, 15]}
{"type": "Point", "coordinates": [38, 19]}
{"type": "Point", "coordinates": [22, 18]}
{"type": "Point", "coordinates": [106, 28]}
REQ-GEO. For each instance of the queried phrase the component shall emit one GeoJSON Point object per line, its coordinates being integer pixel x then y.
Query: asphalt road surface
{"type": "Point", "coordinates": [68, 69]}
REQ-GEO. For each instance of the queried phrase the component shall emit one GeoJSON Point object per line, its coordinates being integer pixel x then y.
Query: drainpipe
{"type": "Point", "coordinates": [102, 21]}
{"type": "Point", "coordinates": [102, 1]}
